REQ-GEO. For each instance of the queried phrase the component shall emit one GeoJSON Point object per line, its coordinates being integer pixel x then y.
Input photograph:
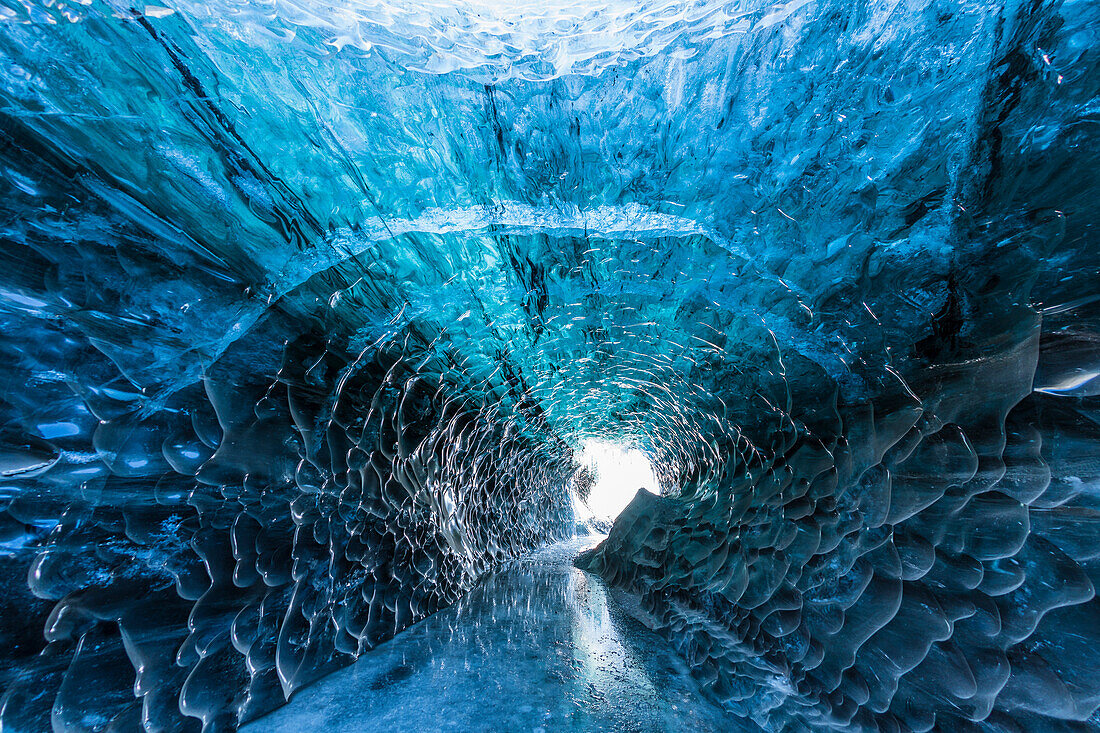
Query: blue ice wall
{"type": "Point", "coordinates": [304, 308]}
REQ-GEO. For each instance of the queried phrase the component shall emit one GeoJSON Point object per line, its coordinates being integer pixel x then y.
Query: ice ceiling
{"type": "Point", "coordinates": [306, 309]}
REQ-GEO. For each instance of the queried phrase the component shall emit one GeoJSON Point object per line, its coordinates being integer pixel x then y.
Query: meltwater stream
{"type": "Point", "coordinates": [537, 646]}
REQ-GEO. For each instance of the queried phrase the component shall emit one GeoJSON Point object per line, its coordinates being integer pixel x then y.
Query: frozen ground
{"type": "Point", "coordinates": [538, 646]}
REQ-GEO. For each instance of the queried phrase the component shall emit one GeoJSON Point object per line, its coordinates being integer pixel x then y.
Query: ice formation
{"type": "Point", "coordinates": [306, 309]}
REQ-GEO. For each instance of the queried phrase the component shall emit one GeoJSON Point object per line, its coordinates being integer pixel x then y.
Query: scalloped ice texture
{"type": "Point", "coordinates": [490, 40]}
{"type": "Point", "coordinates": [304, 309]}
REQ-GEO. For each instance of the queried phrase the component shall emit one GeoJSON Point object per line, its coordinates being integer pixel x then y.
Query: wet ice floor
{"type": "Point", "coordinates": [537, 646]}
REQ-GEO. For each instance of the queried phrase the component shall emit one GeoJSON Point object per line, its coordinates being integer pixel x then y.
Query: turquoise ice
{"type": "Point", "coordinates": [310, 310]}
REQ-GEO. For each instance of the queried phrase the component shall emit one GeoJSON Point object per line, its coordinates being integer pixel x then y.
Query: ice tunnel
{"type": "Point", "coordinates": [310, 310]}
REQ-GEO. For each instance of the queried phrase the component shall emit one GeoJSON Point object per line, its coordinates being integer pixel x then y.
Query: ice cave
{"type": "Point", "coordinates": [549, 366]}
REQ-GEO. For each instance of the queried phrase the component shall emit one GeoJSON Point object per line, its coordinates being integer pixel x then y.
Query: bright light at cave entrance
{"type": "Point", "coordinates": [619, 471]}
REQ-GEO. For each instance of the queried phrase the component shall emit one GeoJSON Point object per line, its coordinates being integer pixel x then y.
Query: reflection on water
{"type": "Point", "coordinates": [610, 669]}
{"type": "Point", "coordinates": [539, 645]}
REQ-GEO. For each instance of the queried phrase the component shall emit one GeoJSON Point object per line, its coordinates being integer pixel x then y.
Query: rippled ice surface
{"type": "Point", "coordinates": [306, 307]}
{"type": "Point", "coordinates": [537, 646]}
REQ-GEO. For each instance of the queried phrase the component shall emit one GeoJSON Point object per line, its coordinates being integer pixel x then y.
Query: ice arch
{"type": "Point", "coordinates": [304, 311]}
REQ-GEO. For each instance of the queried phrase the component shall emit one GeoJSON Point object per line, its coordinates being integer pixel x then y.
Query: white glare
{"type": "Point", "coordinates": [620, 471]}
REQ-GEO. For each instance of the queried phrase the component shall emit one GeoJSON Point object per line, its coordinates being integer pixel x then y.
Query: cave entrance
{"type": "Point", "coordinates": [617, 471]}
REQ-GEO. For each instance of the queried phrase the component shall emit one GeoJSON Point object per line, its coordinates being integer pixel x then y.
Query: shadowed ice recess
{"type": "Point", "coordinates": [336, 336]}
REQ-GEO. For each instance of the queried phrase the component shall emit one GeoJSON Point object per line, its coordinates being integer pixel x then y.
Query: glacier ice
{"type": "Point", "coordinates": [537, 645]}
{"type": "Point", "coordinates": [307, 310]}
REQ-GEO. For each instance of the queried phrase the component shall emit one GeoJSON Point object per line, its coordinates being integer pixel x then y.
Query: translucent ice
{"type": "Point", "coordinates": [539, 644]}
{"type": "Point", "coordinates": [307, 310]}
